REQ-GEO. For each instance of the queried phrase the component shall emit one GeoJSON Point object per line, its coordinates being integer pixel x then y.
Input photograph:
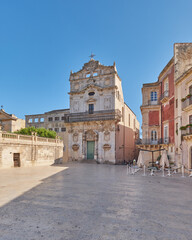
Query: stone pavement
{"type": "Point", "coordinates": [16, 181]}
{"type": "Point", "coordinates": [100, 202]}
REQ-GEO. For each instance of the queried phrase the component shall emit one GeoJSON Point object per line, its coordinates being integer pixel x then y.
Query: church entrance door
{"type": "Point", "coordinates": [90, 149]}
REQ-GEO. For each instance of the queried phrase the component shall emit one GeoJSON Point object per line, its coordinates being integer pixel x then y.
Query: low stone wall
{"type": "Point", "coordinates": [25, 150]}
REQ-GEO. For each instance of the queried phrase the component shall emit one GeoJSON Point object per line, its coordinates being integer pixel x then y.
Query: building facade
{"type": "Point", "coordinates": [158, 114]}
{"type": "Point", "coordinates": [183, 104]}
{"type": "Point", "coordinates": [167, 109]}
{"type": "Point", "coordinates": [100, 125]}
{"type": "Point", "coordinates": [10, 123]}
{"type": "Point", "coordinates": [21, 150]}
{"type": "Point", "coordinates": [54, 121]}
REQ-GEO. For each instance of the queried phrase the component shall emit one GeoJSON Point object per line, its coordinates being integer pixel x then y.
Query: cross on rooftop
{"type": "Point", "coordinates": [1, 106]}
{"type": "Point", "coordinates": [91, 56]}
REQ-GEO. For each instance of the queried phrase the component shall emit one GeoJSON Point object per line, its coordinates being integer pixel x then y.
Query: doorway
{"type": "Point", "coordinates": [16, 159]}
{"type": "Point", "coordinates": [90, 149]}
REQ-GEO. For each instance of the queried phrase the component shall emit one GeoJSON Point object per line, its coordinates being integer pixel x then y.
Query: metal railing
{"type": "Point", "coordinates": [165, 94]}
{"type": "Point", "coordinates": [186, 131]}
{"type": "Point", "coordinates": [187, 102]}
{"type": "Point", "coordinates": [151, 103]}
{"type": "Point", "coordinates": [149, 141]}
{"type": "Point", "coordinates": [94, 116]}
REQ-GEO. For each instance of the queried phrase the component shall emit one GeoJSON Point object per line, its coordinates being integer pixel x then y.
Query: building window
{"type": "Point", "coordinates": [153, 136]}
{"type": "Point", "coordinates": [166, 86]}
{"type": "Point", "coordinates": [50, 119]}
{"type": "Point", "coordinates": [166, 134]}
{"type": "Point", "coordinates": [30, 120]}
{"type": "Point", "coordinates": [36, 120]}
{"type": "Point", "coordinates": [153, 96]}
{"type": "Point", "coordinates": [62, 118]}
{"type": "Point", "coordinates": [51, 129]}
{"type": "Point", "coordinates": [88, 75]}
{"type": "Point", "coordinates": [95, 74]}
{"type": "Point", "coordinates": [176, 103]}
{"type": "Point", "coordinates": [56, 118]}
{"type": "Point", "coordinates": [91, 93]}
{"type": "Point", "coordinates": [41, 119]}
{"type": "Point", "coordinates": [56, 129]}
{"type": "Point", "coordinates": [91, 108]}
{"type": "Point", "coordinates": [63, 129]}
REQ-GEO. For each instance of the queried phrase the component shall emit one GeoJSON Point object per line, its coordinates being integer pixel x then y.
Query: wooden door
{"type": "Point", "coordinates": [16, 159]}
{"type": "Point", "coordinates": [90, 149]}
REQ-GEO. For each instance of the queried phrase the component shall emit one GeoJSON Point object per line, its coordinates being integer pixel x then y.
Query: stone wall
{"type": "Point", "coordinates": [32, 150]}
{"type": "Point", "coordinates": [182, 58]}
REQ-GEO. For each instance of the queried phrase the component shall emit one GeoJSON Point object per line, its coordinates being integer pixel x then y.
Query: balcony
{"type": "Point", "coordinates": [165, 96]}
{"type": "Point", "coordinates": [186, 103]}
{"type": "Point", "coordinates": [147, 141]}
{"type": "Point", "coordinates": [186, 130]}
{"type": "Point", "coordinates": [151, 103]}
{"type": "Point", "coordinates": [93, 116]}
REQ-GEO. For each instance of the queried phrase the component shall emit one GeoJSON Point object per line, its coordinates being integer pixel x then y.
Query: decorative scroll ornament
{"type": "Point", "coordinates": [75, 147]}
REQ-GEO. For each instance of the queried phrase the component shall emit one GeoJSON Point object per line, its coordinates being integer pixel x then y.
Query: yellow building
{"type": "Point", "coordinates": [10, 123]}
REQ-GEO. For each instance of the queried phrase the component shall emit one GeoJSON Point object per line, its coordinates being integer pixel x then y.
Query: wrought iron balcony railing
{"type": "Point", "coordinates": [187, 102]}
{"type": "Point", "coordinates": [147, 141]}
{"type": "Point", "coordinates": [151, 103]}
{"type": "Point", "coordinates": [187, 131]}
{"type": "Point", "coordinates": [165, 95]}
{"type": "Point", "coordinates": [94, 116]}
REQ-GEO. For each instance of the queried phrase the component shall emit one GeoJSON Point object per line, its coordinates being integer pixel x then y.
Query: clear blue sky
{"type": "Point", "coordinates": [42, 40]}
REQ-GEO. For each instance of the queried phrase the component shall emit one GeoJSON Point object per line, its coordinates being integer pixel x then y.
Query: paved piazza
{"type": "Point", "coordinates": [93, 202]}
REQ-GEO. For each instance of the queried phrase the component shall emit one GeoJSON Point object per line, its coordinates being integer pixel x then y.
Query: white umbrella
{"type": "Point", "coordinates": [164, 160]}
{"type": "Point", "coordinates": [140, 159]}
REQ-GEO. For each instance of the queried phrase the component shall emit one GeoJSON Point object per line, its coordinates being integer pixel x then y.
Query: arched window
{"type": "Point", "coordinates": [153, 96]}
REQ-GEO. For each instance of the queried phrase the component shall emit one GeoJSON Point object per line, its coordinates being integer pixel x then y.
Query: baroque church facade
{"type": "Point", "coordinates": [100, 126]}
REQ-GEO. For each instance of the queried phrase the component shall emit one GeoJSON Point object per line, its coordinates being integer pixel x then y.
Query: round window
{"type": "Point", "coordinates": [91, 93]}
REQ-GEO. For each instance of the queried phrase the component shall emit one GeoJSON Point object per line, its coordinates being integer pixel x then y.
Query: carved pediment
{"type": "Point", "coordinates": [91, 100]}
{"type": "Point", "coordinates": [91, 66]}
{"type": "Point", "coordinates": [91, 135]}
{"type": "Point", "coordinates": [106, 147]}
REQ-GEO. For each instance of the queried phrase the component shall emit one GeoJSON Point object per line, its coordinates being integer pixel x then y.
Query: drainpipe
{"type": "Point", "coordinates": [124, 135]}
{"type": "Point", "coordinates": [161, 119]}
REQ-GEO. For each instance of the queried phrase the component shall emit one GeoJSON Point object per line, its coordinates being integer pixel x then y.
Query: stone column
{"type": "Point", "coordinates": [96, 148]}
{"type": "Point", "coordinates": [83, 145]}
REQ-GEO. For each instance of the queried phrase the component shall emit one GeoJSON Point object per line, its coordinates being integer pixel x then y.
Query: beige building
{"type": "Point", "coordinates": [183, 103]}
{"type": "Point", "coordinates": [10, 123]}
{"type": "Point", "coordinates": [21, 150]}
{"type": "Point", "coordinates": [52, 120]}
{"type": "Point", "coordinates": [100, 125]}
